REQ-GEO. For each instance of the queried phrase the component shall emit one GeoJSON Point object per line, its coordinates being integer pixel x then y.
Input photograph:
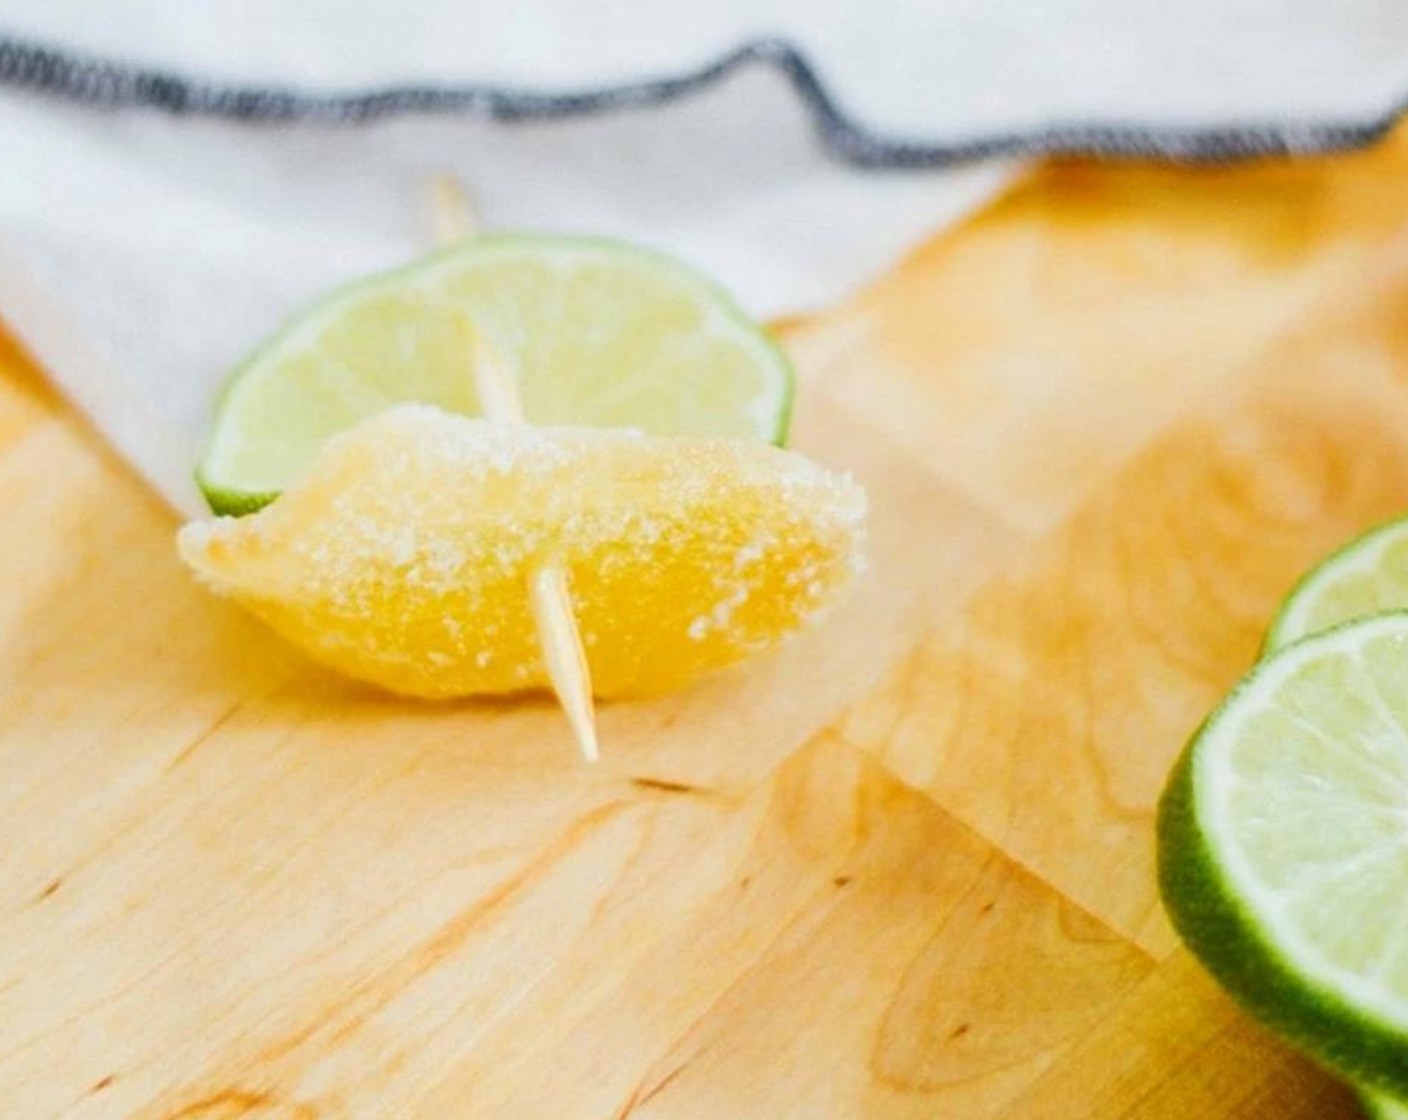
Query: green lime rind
{"type": "Point", "coordinates": [227, 502]}
{"type": "Point", "coordinates": [1377, 1106]}
{"type": "Point", "coordinates": [638, 305]}
{"type": "Point", "coordinates": [1354, 574]}
{"type": "Point", "coordinates": [1223, 930]}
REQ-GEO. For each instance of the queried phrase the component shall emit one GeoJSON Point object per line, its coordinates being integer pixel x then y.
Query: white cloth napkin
{"type": "Point", "coordinates": [176, 179]}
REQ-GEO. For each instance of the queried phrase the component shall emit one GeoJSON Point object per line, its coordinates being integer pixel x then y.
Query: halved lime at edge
{"type": "Point", "coordinates": [1365, 577]}
{"type": "Point", "coordinates": [1283, 847]}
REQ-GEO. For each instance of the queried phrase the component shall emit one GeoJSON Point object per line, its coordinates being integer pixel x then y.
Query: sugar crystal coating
{"type": "Point", "coordinates": [403, 556]}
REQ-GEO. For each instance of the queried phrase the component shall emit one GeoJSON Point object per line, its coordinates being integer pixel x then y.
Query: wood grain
{"type": "Point", "coordinates": [901, 869]}
{"type": "Point", "coordinates": [1176, 1048]}
{"type": "Point", "coordinates": [1026, 353]}
{"type": "Point", "coordinates": [1069, 686]}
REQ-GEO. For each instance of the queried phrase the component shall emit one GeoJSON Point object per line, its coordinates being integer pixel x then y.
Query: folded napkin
{"type": "Point", "coordinates": [177, 179]}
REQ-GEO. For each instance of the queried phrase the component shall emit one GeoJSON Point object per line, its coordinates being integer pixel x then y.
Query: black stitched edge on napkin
{"type": "Point", "coordinates": [29, 65]}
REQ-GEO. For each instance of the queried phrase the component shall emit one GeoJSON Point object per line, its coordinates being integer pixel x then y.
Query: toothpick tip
{"type": "Point", "coordinates": [452, 216]}
{"type": "Point", "coordinates": [563, 651]}
{"type": "Point", "coordinates": [587, 741]}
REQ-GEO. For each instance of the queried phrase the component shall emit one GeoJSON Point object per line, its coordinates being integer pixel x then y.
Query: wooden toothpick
{"type": "Point", "coordinates": [497, 386]}
{"type": "Point", "coordinates": [451, 214]}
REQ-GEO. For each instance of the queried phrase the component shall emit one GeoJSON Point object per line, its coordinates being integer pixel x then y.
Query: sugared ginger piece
{"type": "Point", "coordinates": [403, 556]}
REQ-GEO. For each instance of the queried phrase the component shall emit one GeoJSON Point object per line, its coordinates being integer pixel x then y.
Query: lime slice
{"type": "Point", "coordinates": [600, 334]}
{"type": "Point", "coordinates": [1367, 576]}
{"type": "Point", "coordinates": [1283, 847]}
{"type": "Point", "coordinates": [1379, 1107]}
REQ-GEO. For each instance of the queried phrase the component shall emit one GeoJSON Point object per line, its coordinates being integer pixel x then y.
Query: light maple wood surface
{"type": "Point", "coordinates": [902, 869]}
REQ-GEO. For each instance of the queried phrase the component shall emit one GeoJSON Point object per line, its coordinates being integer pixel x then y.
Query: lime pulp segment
{"type": "Point", "coordinates": [1283, 846]}
{"type": "Point", "coordinates": [599, 334]}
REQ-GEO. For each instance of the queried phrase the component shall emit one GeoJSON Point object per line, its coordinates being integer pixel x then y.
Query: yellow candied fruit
{"type": "Point", "coordinates": [403, 557]}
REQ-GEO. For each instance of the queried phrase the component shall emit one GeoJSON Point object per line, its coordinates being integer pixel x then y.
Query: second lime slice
{"type": "Point", "coordinates": [598, 334]}
{"type": "Point", "coordinates": [1367, 576]}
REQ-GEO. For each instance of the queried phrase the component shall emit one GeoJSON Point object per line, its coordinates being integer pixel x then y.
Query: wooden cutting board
{"type": "Point", "coordinates": [903, 869]}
